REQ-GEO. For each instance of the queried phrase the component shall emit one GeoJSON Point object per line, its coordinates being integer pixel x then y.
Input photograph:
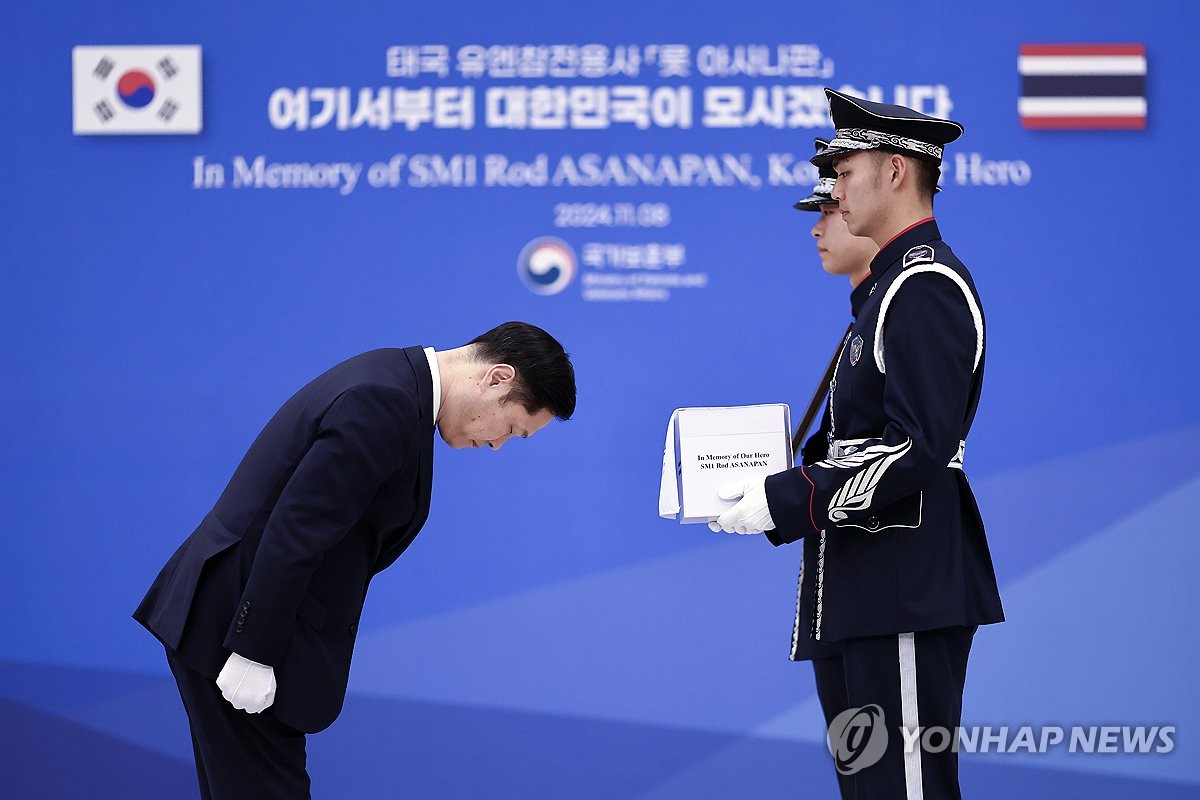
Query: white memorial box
{"type": "Point", "coordinates": [707, 447]}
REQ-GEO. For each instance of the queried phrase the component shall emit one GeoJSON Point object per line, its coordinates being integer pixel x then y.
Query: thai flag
{"type": "Point", "coordinates": [1099, 86]}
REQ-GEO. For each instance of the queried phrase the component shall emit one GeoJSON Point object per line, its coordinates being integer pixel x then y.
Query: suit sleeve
{"type": "Point", "coordinates": [929, 346]}
{"type": "Point", "coordinates": [357, 447]}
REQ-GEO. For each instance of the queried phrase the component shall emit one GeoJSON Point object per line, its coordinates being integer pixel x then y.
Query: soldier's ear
{"type": "Point", "coordinates": [898, 168]}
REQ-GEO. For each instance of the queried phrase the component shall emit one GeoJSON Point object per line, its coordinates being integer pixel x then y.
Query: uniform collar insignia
{"type": "Point", "coordinates": [921, 254]}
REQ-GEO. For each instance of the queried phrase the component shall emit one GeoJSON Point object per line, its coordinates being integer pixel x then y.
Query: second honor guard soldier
{"type": "Point", "coordinates": [841, 253]}
{"type": "Point", "coordinates": [904, 575]}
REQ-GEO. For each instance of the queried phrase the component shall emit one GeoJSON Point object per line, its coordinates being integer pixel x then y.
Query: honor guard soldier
{"type": "Point", "coordinates": [903, 572]}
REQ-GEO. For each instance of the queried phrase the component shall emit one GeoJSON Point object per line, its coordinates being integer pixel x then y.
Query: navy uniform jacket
{"type": "Point", "coordinates": [332, 491]}
{"type": "Point", "coordinates": [900, 545]}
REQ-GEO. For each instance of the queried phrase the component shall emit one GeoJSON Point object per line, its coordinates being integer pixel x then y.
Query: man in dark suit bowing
{"type": "Point", "coordinates": [259, 607]}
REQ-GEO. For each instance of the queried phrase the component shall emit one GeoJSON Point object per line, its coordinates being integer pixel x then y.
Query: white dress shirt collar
{"type": "Point", "coordinates": [437, 382]}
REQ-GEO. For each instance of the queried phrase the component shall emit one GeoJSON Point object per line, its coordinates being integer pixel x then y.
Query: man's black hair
{"type": "Point", "coordinates": [545, 378]}
{"type": "Point", "coordinates": [927, 174]}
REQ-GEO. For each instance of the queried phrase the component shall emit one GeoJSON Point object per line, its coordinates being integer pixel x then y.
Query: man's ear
{"type": "Point", "coordinates": [901, 169]}
{"type": "Point", "coordinates": [499, 375]}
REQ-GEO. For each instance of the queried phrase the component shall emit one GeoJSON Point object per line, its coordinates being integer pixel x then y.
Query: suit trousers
{"type": "Point", "coordinates": [239, 756]}
{"type": "Point", "coordinates": [916, 680]}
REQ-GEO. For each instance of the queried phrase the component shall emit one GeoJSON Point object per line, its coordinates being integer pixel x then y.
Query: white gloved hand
{"type": "Point", "coordinates": [751, 514]}
{"type": "Point", "coordinates": [246, 684]}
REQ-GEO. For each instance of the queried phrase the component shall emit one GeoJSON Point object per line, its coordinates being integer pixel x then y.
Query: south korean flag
{"type": "Point", "coordinates": [136, 89]}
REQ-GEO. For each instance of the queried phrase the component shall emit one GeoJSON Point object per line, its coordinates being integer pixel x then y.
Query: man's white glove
{"type": "Point", "coordinates": [246, 684]}
{"type": "Point", "coordinates": [751, 514]}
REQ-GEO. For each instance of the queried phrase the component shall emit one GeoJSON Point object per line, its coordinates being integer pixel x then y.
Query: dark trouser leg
{"type": "Point", "coordinates": [239, 756]}
{"type": "Point", "coordinates": [831, 691]}
{"type": "Point", "coordinates": [205, 794]}
{"type": "Point", "coordinates": [917, 680]}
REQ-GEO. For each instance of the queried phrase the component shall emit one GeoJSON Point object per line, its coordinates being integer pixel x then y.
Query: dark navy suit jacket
{"type": "Point", "coordinates": [332, 491]}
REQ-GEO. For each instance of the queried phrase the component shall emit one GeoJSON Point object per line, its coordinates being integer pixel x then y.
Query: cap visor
{"type": "Point", "coordinates": [825, 157]}
{"type": "Point", "coordinates": [813, 202]}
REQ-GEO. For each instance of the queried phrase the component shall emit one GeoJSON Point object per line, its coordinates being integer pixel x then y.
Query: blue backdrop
{"type": "Point", "coordinates": [547, 635]}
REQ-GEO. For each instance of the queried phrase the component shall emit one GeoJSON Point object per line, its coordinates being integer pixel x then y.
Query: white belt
{"type": "Point", "coordinates": [844, 447]}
